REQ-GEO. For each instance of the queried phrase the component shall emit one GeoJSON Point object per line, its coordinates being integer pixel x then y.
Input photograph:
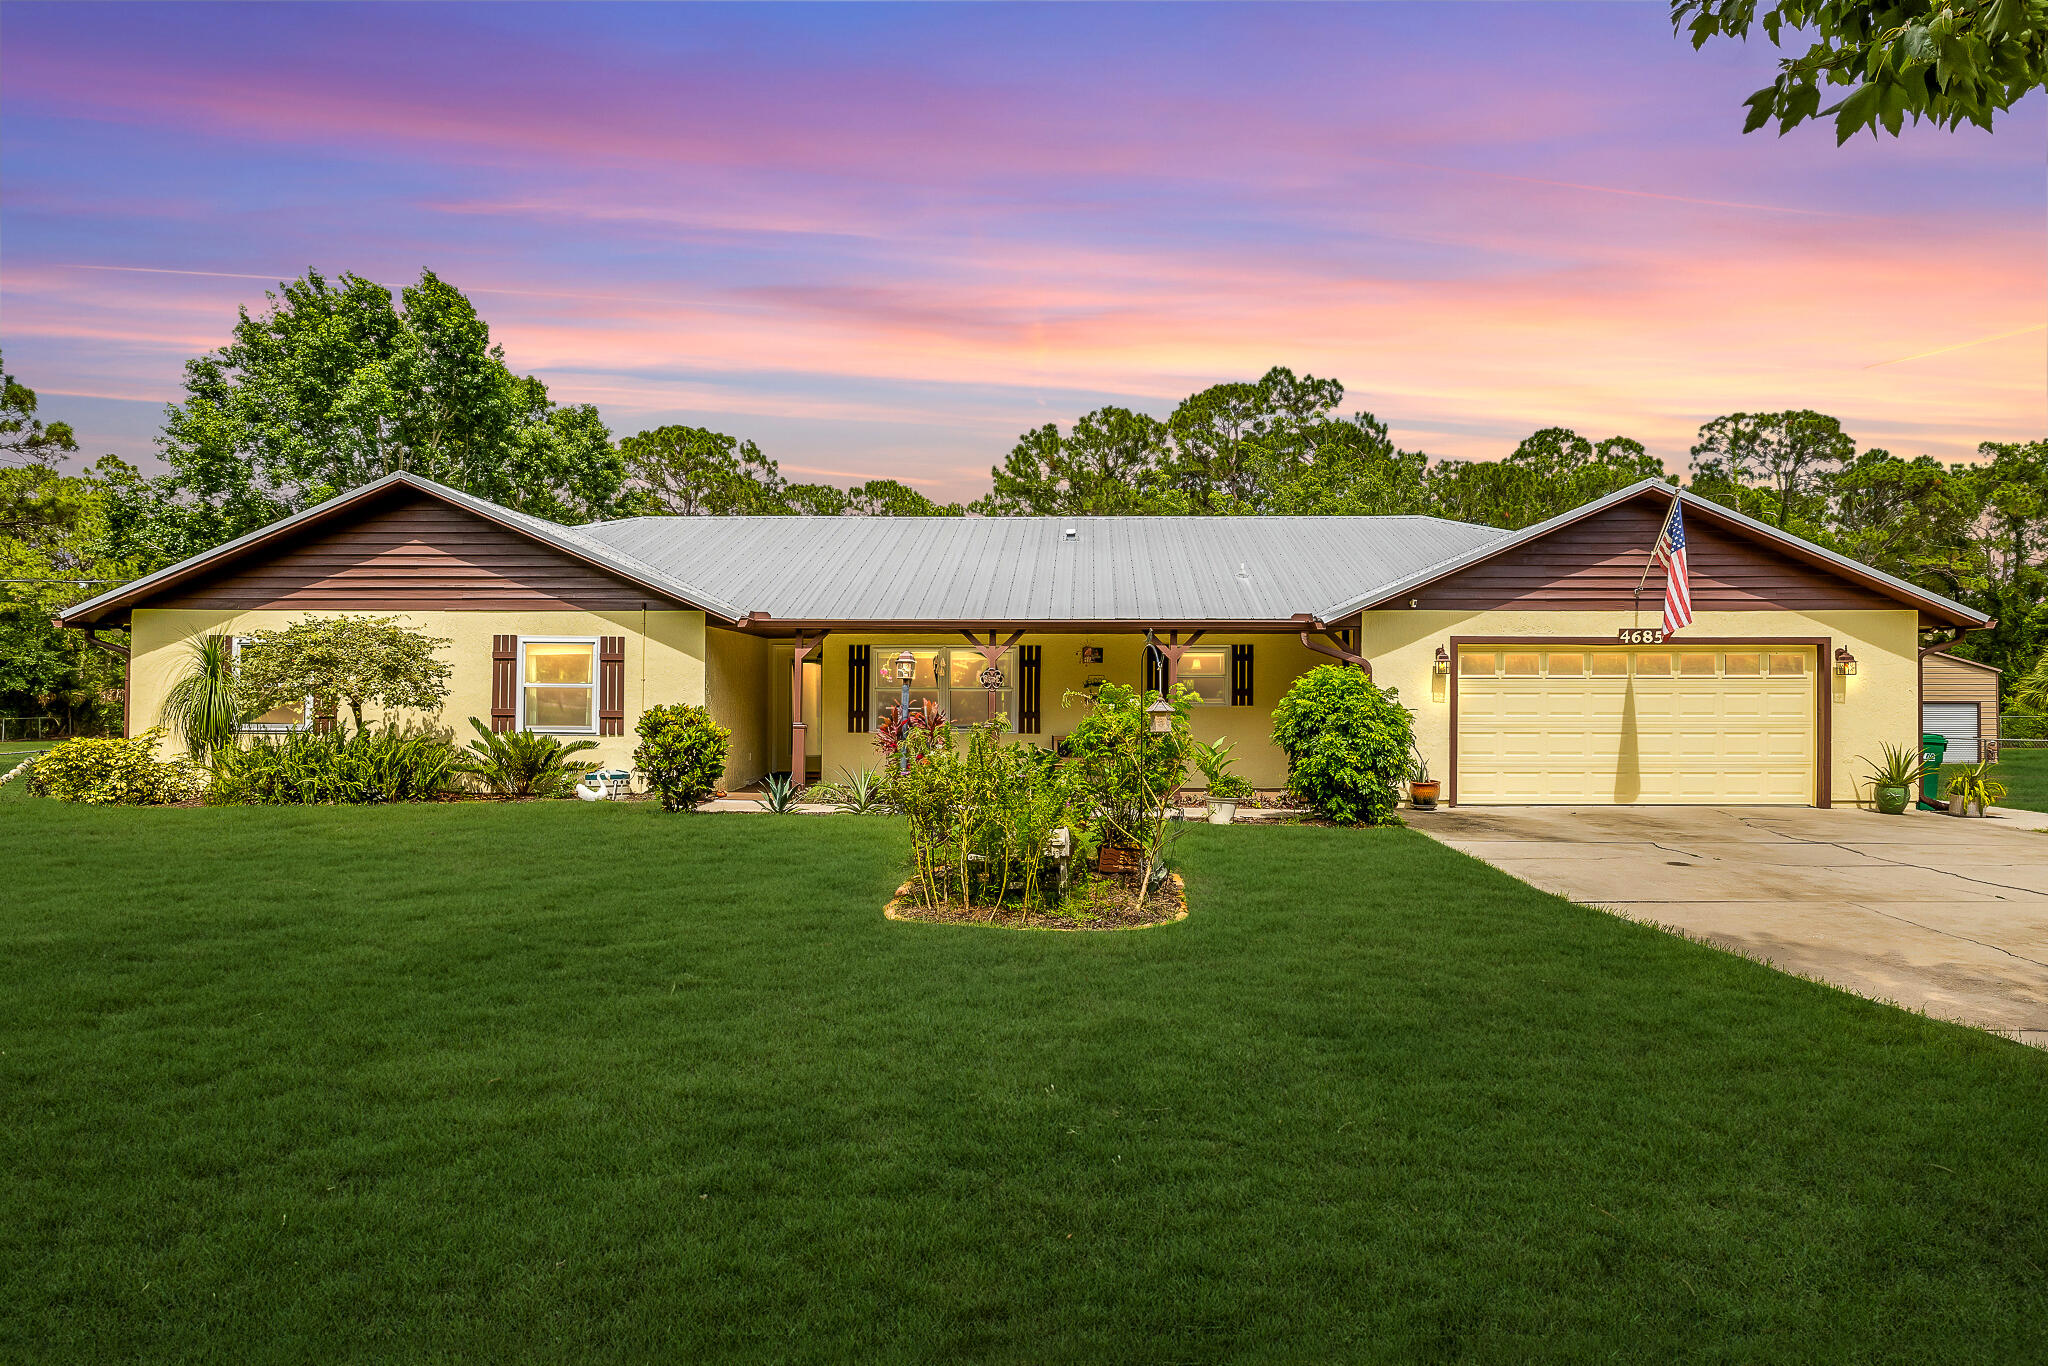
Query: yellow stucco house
{"type": "Point", "coordinates": [1531, 659]}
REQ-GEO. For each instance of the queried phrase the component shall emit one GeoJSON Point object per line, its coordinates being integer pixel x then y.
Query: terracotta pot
{"type": "Point", "coordinates": [1425, 793]}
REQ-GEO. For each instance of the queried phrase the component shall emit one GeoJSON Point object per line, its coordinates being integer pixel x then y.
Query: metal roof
{"type": "Point", "coordinates": [1037, 569]}
{"type": "Point", "coordinates": [1802, 547]}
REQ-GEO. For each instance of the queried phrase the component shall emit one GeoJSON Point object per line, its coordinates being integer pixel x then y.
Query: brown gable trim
{"type": "Point", "coordinates": [407, 552]}
{"type": "Point", "coordinates": [113, 608]}
{"type": "Point", "coordinates": [1594, 561]}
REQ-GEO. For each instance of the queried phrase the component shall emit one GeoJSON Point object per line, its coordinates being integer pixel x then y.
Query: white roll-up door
{"type": "Point", "coordinates": [1956, 720]}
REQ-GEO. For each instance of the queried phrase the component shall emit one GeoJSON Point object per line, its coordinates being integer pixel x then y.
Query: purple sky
{"type": "Point", "coordinates": [884, 240]}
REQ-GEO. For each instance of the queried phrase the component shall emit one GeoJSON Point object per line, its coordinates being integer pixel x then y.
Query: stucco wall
{"type": "Point", "coordinates": [1878, 705]}
{"type": "Point", "coordinates": [739, 689]}
{"type": "Point", "coordinates": [664, 658]}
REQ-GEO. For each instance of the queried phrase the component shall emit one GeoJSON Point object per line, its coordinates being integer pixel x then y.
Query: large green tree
{"type": "Point", "coordinates": [1550, 471]}
{"type": "Point", "coordinates": [1772, 466]}
{"type": "Point", "coordinates": [681, 471]}
{"type": "Point", "coordinates": [53, 539]}
{"type": "Point", "coordinates": [335, 384]}
{"type": "Point", "coordinates": [23, 435]}
{"type": "Point", "coordinates": [1112, 462]}
{"type": "Point", "coordinates": [1948, 61]}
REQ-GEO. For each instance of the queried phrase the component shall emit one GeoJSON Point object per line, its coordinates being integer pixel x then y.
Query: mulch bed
{"type": "Point", "coordinates": [1102, 903]}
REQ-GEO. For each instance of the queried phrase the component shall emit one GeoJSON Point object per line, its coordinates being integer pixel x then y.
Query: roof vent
{"type": "Point", "coordinates": [1244, 571]}
{"type": "Point", "coordinates": [1070, 534]}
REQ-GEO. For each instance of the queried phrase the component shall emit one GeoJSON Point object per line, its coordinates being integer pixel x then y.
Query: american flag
{"type": "Point", "coordinates": [1671, 554]}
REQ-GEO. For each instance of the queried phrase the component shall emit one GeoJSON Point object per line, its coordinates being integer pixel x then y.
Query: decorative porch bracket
{"type": "Point", "coordinates": [1171, 652]}
{"type": "Point", "coordinates": [1342, 646]}
{"type": "Point", "coordinates": [799, 758]}
{"type": "Point", "coordinates": [991, 656]}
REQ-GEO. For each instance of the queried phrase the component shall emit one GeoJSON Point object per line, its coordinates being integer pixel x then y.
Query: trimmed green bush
{"type": "Point", "coordinates": [1347, 745]}
{"type": "Point", "coordinates": [107, 772]}
{"type": "Point", "coordinates": [682, 751]}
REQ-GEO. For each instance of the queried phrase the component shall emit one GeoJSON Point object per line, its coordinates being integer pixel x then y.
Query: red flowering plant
{"type": "Point", "coordinates": [923, 729]}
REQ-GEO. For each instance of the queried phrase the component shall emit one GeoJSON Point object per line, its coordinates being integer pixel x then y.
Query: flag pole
{"type": "Point", "coordinates": [1662, 527]}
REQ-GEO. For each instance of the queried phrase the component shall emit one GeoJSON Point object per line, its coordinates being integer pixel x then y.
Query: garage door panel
{"type": "Point", "coordinates": [1606, 738]}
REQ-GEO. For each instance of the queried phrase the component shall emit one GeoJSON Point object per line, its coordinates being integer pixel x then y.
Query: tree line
{"type": "Point", "coordinates": [338, 382]}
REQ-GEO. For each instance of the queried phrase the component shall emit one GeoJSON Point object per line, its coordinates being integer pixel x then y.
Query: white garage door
{"type": "Point", "coordinates": [1592, 726]}
{"type": "Point", "coordinates": [1956, 720]}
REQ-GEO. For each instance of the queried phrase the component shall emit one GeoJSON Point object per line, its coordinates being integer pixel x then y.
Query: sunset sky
{"type": "Point", "coordinates": [884, 240]}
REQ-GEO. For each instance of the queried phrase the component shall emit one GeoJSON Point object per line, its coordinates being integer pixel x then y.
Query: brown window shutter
{"type": "Point", "coordinates": [1240, 675]}
{"type": "Point", "coordinates": [1027, 690]}
{"type": "Point", "coordinates": [857, 685]}
{"type": "Point", "coordinates": [1155, 670]}
{"type": "Point", "coordinates": [611, 685]}
{"type": "Point", "coordinates": [504, 682]}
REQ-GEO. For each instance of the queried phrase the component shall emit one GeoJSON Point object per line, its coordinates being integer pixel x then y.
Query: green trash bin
{"type": "Point", "coordinates": [1932, 748]}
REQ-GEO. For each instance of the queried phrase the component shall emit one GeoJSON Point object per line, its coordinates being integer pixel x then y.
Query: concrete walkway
{"type": "Point", "coordinates": [1927, 911]}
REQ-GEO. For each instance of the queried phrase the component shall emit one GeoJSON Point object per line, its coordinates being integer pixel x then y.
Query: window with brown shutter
{"type": "Point", "coordinates": [857, 689]}
{"type": "Point", "coordinates": [1240, 675]}
{"type": "Point", "coordinates": [504, 683]}
{"type": "Point", "coordinates": [611, 685]}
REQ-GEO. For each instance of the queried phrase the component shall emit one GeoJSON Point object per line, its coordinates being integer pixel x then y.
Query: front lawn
{"type": "Point", "coordinates": [575, 1082]}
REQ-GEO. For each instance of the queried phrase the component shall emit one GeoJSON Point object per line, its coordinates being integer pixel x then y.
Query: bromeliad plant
{"type": "Point", "coordinates": [523, 763]}
{"type": "Point", "coordinates": [780, 794]}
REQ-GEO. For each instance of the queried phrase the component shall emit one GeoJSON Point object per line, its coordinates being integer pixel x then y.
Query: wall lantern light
{"type": "Point", "coordinates": [1845, 663]}
{"type": "Point", "coordinates": [1442, 667]}
{"type": "Point", "coordinates": [1161, 715]}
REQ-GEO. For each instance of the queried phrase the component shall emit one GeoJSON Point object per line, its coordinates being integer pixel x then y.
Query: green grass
{"type": "Point", "coordinates": [2024, 771]}
{"type": "Point", "coordinates": [575, 1082]}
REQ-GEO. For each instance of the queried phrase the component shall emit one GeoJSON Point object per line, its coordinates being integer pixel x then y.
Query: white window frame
{"type": "Point", "coordinates": [267, 727]}
{"type": "Point", "coordinates": [1225, 677]}
{"type": "Point", "coordinates": [519, 705]}
{"type": "Point", "coordinates": [886, 689]}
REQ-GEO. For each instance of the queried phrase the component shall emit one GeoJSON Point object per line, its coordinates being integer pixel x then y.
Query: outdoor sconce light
{"type": "Point", "coordinates": [1161, 715]}
{"type": "Point", "coordinates": [1845, 663]}
{"type": "Point", "coordinates": [906, 667]}
{"type": "Point", "coordinates": [1442, 667]}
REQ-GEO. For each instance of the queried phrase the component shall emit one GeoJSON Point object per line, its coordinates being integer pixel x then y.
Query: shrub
{"type": "Point", "coordinates": [523, 763]}
{"type": "Point", "coordinates": [924, 729]}
{"type": "Point", "coordinates": [345, 660]}
{"type": "Point", "coordinates": [114, 773]}
{"type": "Point", "coordinates": [682, 751]}
{"type": "Point", "coordinates": [336, 769]}
{"type": "Point", "coordinates": [980, 819]}
{"type": "Point", "coordinates": [1347, 745]}
{"type": "Point", "coordinates": [1127, 774]}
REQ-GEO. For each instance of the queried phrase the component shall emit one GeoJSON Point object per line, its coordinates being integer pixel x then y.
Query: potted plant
{"type": "Point", "coordinates": [1422, 789]}
{"type": "Point", "coordinates": [1893, 776]}
{"type": "Point", "coordinates": [1973, 791]}
{"type": "Point", "coordinates": [1225, 789]}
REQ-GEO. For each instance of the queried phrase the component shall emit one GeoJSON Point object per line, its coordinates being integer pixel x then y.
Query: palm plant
{"type": "Point", "coordinates": [204, 707]}
{"type": "Point", "coordinates": [524, 763]}
{"type": "Point", "coordinates": [1977, 787]}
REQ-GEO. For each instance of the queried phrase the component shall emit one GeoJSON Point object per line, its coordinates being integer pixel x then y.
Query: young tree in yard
{"type": "Point", "coordinates": [1947, 61]}
{"type": "Point", "coordinates": [335, 386]}
{"type": "Point", "coordinates": [345, 660]}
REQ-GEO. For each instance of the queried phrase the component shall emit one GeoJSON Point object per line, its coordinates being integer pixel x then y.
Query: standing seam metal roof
{"type": "Point", "coordinates": [1025, 569]}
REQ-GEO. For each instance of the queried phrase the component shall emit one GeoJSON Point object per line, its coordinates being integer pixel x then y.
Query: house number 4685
{"type": "Point", "coordinates": [1642, 635]}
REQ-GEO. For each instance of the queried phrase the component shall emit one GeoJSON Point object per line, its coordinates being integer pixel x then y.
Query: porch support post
{"type": "Point", "coordinates": [1173, 648]}
{"type": "Point", "coordinates": [799, 765]}
{"type": "Point", "coordinates": [1343, 647]}
{"type": "Point", "coordinates": [992, 656]}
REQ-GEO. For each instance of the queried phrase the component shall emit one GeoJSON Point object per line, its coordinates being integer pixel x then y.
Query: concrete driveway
{"type": "Point", "coordinates": [1930, 912]}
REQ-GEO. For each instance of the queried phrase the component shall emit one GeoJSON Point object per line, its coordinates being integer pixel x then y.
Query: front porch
{"type": "Point", "coordinates": [828, 689]}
